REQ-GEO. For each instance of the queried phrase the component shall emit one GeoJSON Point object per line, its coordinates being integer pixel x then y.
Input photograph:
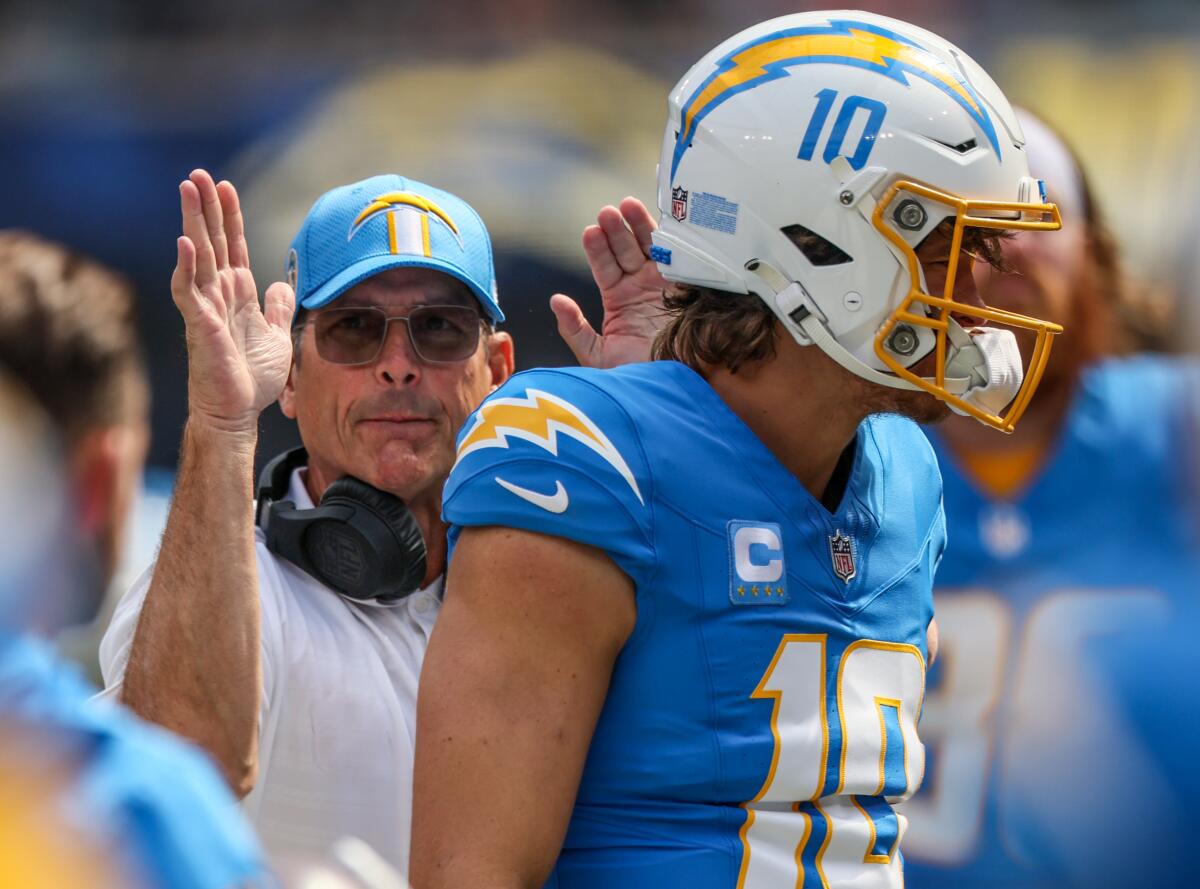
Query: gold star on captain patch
{"type": "Point", "coordinates": [768, 589]}
{"type": "Point", "coordinates": [754, 590]}
{"type": "Point", "coordinates": [741, 591]}
{"type": "Point", "coordinates": [779, 590]}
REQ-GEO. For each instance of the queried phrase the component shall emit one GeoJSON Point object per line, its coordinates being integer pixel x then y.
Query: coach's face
{"type": "Point", "coordinates": [391, 422]}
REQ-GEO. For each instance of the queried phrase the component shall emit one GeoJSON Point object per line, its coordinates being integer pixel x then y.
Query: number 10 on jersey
{"type": "Point", "coordinates": [824, 815]}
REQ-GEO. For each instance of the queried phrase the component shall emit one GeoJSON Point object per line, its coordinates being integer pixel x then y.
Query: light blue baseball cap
{"type": "Point", "coordinates": [385, 222]}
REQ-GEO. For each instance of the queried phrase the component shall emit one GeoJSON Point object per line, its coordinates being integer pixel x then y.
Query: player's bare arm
{"type": "Point", "coordinates": [195, 662]}
{"type": "Point", "coordinates": [631, 288]}
{"type": "Point", "coordinates": [513, 683]}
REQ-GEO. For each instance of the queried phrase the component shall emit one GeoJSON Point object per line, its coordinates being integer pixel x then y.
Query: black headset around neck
{"type": "Point", "coordinates": [361, 541]}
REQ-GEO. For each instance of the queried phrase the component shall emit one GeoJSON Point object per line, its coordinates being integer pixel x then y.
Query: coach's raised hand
{"type": "Point", "coordinates": [238, 354]}
{"type": "Point", "coordinates": [631, 288]}
{"type": "Point", "coordinates": [195, 662]}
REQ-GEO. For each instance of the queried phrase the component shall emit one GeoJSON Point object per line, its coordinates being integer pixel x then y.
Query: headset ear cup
{"type": "Point", "coordinates": [395, 562]}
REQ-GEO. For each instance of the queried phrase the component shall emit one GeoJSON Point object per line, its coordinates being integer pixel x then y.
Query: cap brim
{"type": "Point", "coordinates": [365, 268]}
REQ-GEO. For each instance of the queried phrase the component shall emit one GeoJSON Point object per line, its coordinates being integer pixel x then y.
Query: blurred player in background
{"type": "Point", "coordinates": [684, 639]}
{"type": "Point", "coordinates": [67, 333]}
{"type": "Point", "coordinates": [1076, 529]}
{"type": "Point", "coordinates": [289, 642]}
{"type": "Point", "coordinates": [40, 563]}
{"type": "Point", "coordinates": [86, 784]}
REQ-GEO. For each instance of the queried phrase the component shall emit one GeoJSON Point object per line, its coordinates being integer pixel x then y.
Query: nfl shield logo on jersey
{"type": "Point", "coordinates": [679, 198]}
{"type": "Point", "coordinates": [841, 551]}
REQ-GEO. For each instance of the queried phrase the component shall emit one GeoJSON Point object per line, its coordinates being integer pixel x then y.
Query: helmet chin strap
{"type": "Point", "coordinates": [800, 315]}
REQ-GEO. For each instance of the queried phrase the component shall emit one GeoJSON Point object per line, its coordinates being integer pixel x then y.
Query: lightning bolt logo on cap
{"type": "Point", "coordinates": [540, 418]}
{"type": "Point", "coordinates": [408, 218]}
{"type": "Point", "coordinates": [842, 42]}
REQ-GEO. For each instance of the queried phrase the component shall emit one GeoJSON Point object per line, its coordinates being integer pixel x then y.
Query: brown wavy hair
{"type": "Point", "coordinates": [715, 329]}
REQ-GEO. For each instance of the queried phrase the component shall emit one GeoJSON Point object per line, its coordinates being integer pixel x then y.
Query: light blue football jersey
{"type": "Point", "coordinates": [761, 719]}
{"type": "Point", "coordinates": [1099, 544]}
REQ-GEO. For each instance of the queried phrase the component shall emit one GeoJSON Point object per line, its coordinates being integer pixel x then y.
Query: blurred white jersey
{"type": "Point", "coordinates": [339, 707]}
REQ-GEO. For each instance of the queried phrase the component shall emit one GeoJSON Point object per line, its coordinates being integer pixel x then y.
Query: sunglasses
{"type": "Point", "coordinates": [438, 334]}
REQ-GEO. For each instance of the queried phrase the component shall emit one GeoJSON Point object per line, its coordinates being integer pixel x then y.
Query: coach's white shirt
{"type": "Point", "coordinates": [339, 707]}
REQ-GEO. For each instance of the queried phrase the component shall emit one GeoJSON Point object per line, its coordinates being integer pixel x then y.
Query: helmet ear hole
{"type": "Point", "coordinates": [819, 251]}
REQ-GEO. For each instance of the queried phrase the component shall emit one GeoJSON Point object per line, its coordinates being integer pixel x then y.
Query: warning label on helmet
{"type": "Point", "coordinates": [713, 211]}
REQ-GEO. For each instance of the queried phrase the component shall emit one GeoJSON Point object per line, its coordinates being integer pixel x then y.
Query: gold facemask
{"type": "Point", "coordinates": [1017, 216]}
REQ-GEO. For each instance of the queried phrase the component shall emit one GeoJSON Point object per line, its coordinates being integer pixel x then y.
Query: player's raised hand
{"type": "Point", "coordinates": [631, 288]}
{"type": "Point", "coordinates": [238, 353]}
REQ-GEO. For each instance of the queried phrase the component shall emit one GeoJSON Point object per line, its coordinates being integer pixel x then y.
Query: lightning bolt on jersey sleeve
{"type": "Point", "coordinates": [552, 452]}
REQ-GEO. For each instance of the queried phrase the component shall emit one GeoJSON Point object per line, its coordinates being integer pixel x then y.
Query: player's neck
{"type": "Point", "coordinates": [797, 407]}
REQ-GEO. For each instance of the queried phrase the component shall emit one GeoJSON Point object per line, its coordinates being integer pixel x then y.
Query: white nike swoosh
{"type": "Point", "coordinates": [556, 502]}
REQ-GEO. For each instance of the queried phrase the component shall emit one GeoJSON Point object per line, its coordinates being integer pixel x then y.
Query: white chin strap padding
{"type": "Point", "coordinates": [992, 360]}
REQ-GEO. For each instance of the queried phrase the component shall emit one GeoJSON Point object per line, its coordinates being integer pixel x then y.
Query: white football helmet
{"type": "Point", "coordinates": [867, 132]}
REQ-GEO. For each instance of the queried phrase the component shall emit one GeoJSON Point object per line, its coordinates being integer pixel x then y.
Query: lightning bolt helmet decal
{"type": "Point", "coordinates": [841, 42]}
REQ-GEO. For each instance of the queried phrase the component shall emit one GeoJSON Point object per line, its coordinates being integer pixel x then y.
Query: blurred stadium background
{"type": "Point", "coordinates": [537, 111]}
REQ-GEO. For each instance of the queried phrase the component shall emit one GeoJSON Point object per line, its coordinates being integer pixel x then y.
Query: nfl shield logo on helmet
{"type": "Point", "coordinates": [679, 198]}
{"type": "Point", "coordinates": [841, 551]}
